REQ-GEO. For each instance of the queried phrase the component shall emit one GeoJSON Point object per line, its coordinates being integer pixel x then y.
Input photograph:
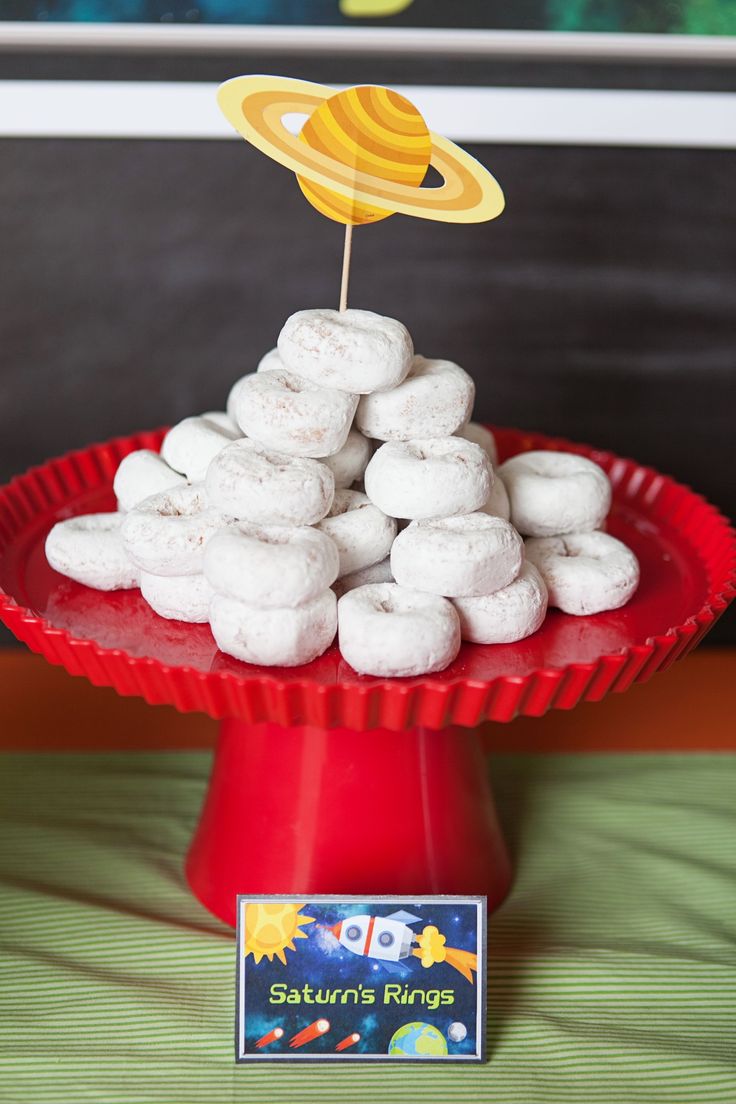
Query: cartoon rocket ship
{"type": "Point", "coordinates": [388, 939]}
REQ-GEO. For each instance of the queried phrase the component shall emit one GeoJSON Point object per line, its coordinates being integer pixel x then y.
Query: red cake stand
{"type": "Point", "coordinates": [329, 782]}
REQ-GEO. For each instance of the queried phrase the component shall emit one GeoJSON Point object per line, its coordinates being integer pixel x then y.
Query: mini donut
{"type": "Point", "coordinates": [178, 597]}
{"type": "Point", "coordinates": [480, 435]}
{"type": "Point", "coordinates": [429, 477]}
{"type": "Point", "coordinates": [435, 398]}
{"type": "Point", "coordinates": [189, 447]}
{"type": "Point", "coordinates": [253, 483]}
{"type": "Point", "coordinates": [457, 556]}
{"type": "Point", "coordinates": [349, 464]}
{"type": "Point", "coordinates": [232, 398]}
{"type": "Point", "coordinates": [270, 566]}
{"type": "Point", "coordinates": [363, 533]}
{"type": "Point", "coordinates": [585, 572]}
{"type": "Point", "coordinates": [353, 350]}
{"type": "Point", "coordinates": [274, 637]}
{"type": "Point", "coordinates": [222, 419]}
{"type": "Point", "coordinates": [166, 534]}
{"type": "Point", "coordinates": [286, 412]}
{"type": "Point", "coordinates": [377, 573]}
{"type": "Point", "coordinates": [512, 613]}
{"type": "Point", "coordinates": [141, 474]}
{"type": "Point", "coordinates": [89, 549]}
{"type": "Point", "coordinates": [386, 630]}
{"type": "Point", "coordinates": [555, 492]}
{"type": "Point", "coordinates": [269, 361]}
{"type": "Point", "coordinates": [498, 504]}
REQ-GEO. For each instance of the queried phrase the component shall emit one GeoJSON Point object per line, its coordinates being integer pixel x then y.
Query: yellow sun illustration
{"type": "Point", "coordinates": [272, 927]}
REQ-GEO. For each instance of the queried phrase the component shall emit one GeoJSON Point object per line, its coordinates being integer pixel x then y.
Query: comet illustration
{"type": "Point", "coordinates": [270, 1037]}
{"type": "Point", "coordinates": [389, 939]}
{"type": "Point", "coordinates": [348, 1041]}
{"type": "Point", "coordinates": [307, 1034]}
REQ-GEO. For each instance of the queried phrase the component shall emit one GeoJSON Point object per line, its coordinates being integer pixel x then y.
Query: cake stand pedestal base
{"type": "Point", "coordinates": [307, 811]}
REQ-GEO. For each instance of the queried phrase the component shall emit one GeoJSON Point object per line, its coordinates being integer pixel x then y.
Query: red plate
{"type": "Point", "coordinates": [428, 789]}
{"type": "Point", "coordinates": [686, 549]}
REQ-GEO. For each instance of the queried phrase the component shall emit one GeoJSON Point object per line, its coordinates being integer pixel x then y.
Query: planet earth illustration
{"type": "Point", "coordinates": [418, 1040]}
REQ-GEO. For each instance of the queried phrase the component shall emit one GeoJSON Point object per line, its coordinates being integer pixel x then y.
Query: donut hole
{"type": "Point", "coordinates": [554, 465]}
{"type": "Point", "coordinates": [346, 502]}
{"type": "Point", "coordinates": [432, 450]}
{"type": "Point", "coordinates": [465, 523]}
{"type": "Point", "coordinates": [290, 384]}
{"type": "Point", "coordinates": [96, 523]}
{"type": "Point", "coordinates": [175, 508]}
{"type": "Point", "coordinates": [271, 538]}
{"type": "Point", "coordinates": [418, 452]}
{"type": "Point", "coordinates": [380, 597]}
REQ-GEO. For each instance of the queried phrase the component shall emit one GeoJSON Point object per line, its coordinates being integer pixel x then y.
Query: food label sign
{"type": "Point", "coordinates": [361, 979]}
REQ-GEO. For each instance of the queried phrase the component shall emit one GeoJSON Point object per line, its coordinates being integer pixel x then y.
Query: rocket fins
{"type": "Point", "coordinates": [393, 967]}
{"type": "Point", "coordinates": [404, 917]}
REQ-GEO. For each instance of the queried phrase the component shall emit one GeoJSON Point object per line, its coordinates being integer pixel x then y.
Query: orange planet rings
{"type": "Point", "coordinates": [384, 139]}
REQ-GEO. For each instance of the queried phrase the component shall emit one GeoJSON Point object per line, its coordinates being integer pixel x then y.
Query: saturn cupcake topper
{"type": "Point", "coordinates": [361, 155]}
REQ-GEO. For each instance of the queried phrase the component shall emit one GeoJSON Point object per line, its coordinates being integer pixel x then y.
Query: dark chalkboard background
{"type": "Point", "coordinates": [138, 279]}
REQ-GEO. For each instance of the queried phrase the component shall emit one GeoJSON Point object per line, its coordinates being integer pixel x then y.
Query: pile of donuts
{"type": "Point", "coordinates": [345, 491]}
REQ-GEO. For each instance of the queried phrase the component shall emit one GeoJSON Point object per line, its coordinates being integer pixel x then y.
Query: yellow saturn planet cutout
{"type": "Point", "coordinates": [362, 153]}
{"type": "Point", "coordinates": [379, 133]}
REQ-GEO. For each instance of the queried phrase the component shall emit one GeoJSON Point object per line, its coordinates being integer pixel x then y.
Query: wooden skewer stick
{"type": "Point", "coordinates": [346, 267]}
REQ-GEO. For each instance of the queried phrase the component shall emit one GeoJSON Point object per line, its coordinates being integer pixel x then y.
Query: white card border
{"type": "Point", "coordinates": [481, 903]}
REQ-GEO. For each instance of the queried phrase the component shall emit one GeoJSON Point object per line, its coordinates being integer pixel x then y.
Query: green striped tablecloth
{"type": "Point", "coordinates": [612, 966]}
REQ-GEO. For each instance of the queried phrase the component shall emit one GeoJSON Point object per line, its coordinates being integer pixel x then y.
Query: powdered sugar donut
{"type": "Point", "coordinates": [507, 615]}
{"type": "Point", "coordinates": [222, 419]}
{"type": "Point", "coordinates": [286, 412]}
{"type": "Point", "coordinates": [498, 504]}
{"type": "Point", "coordinates": [141, 474]}
{"type": "Point", "coordinates": [457, 556]}
{"type": "Point", "coordinates": [232, 398]}
{"type": "Point", "coordinates": [257, 484]}
{"type": "Point", "coordinates": [189, 447]}
{"type": "Point", "coordinates": [555, 492]}
{"type": "Point", "coordinates": [353, 350]}
{"type": "Point", "coordinates": [480, 435]}
{"type": "Point", "coordinates": [178, 597]}
{"type": "Point", "coordinates": [435, 398]}
{"type": "Point", "coordinates": [349, 464]}
{"type": "Point", "coordinates": [431, 477]}
{"type": "Point", "coordinates": [270, 566]}
{"type": "Point", "coordinates": [363, 533]}
{"type": "Point", "coordinates": [269, 361]}
{"type": "Point", "coordinates": [274, 637]}
{"type": "Point", "coordinates": [387, 630]}
{"type": "Point", "coordinates": [585, 572]}
{"type": "Point", "coordinates": [377, 573]}
{"type": "Point", "coordinates": [166, 534]}
{"type": "Point", "coordinates": [89, 549]}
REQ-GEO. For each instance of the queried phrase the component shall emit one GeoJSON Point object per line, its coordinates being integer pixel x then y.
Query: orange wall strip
{"type": "Point", "coordinates": [689, 708]}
